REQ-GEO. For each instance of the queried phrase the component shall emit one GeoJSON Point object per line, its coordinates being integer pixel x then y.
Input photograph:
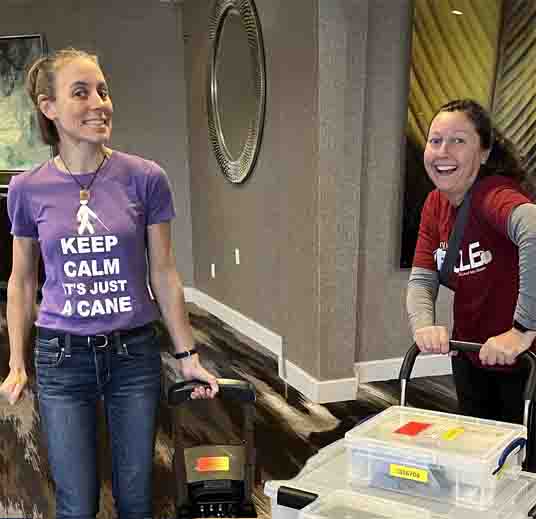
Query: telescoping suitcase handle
{"type": "Point", "coordinates": [230, 389]}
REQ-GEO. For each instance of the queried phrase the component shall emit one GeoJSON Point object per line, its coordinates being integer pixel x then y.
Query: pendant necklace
{"type": "Point", "coordinates": [85, 193]}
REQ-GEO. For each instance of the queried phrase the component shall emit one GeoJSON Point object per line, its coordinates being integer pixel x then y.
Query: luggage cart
{"type": "Point", "coordinates": [215, 480]}
{"type": "Point", "coordinates": [527, 359]}
{"type": "Point", "coordinates": [323, 489]}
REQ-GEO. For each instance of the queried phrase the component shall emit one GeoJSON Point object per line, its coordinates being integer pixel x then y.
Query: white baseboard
{"type": "Point", "coordinates": [318, 391]}
{"type": "Point", "coordinates": [388, 369]}
{"type": "Point", "coordinates": [261, 335]}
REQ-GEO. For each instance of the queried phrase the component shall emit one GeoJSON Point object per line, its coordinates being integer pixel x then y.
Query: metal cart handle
{"type": "Point", "coordinates": [230, 389]}
{"type": "Point", "coordinates": [527, 358]}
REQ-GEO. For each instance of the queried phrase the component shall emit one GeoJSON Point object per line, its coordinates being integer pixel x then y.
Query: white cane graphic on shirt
{"type": "Point", "coordinates": [83, 215]}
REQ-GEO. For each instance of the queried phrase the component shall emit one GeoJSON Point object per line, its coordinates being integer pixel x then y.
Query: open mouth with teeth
{"type": "Point", "coordinates": [96, 123]}
{"type": "Point", "coordinates": [445, 169]}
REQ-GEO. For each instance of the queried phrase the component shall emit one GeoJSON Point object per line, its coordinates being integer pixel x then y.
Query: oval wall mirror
{"type": "Point", "coordinates": [236, 93]}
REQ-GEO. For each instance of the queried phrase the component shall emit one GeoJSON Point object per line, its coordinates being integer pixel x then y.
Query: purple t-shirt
{"type": "Point", "coordinates": [95, 256]}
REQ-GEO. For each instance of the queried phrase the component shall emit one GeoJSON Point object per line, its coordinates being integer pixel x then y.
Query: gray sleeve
{"type": "Point", "coordinates": [421, 296]}
{"type": "Point", "coordinates": [522, 231]}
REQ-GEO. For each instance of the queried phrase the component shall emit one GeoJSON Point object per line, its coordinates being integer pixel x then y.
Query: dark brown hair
{"type": "Point", "coordinates": [41, 80]}
{"type": "Point", "coordinates": [504, 159]}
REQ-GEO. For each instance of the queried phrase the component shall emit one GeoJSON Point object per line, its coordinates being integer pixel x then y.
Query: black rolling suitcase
{"type": "Point", "coordinates": [215, 480]}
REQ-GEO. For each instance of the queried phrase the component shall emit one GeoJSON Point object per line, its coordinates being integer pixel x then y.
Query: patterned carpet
{"type": "Point", "coordinates": [289, 429]}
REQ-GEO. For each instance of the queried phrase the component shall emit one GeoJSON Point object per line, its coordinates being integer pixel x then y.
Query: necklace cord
{"type": "Point", "coordinates": [84, 188]}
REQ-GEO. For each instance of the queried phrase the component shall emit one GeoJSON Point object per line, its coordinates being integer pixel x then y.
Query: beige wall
{"type": "Point", "coordinates": [270, 218]}
{"type": "Point", "coordinates": [383, 331]}
{"type": "Point", "coordinates": [142, 55]}
{"type": "Point", "coordinates": [318, 222]}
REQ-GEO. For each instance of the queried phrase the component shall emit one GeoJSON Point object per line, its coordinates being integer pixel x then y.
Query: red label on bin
{"type": "Point", "coordinates": [413, 428]}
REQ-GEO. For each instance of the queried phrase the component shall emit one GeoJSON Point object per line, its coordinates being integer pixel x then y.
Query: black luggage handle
{"type": "Point", "coordinates": [230, 389]}
{"type": "Point", "coordinates": [528, 358]}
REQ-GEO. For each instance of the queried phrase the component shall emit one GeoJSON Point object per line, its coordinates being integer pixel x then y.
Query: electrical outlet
{"type": "Point", "coordinates": [212, 270]}
{"type": "Point", "coordinates": [237, 256]}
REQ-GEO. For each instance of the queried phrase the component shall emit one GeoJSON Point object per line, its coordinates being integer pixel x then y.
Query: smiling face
{"type": "Point", "coordinates": [453, 154]}
{"type": "Point", "coordinates": [82, 108]}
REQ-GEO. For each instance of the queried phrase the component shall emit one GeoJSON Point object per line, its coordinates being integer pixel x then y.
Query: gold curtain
{"type": "Point", "coordinates": [514, 102]}
{"type": "Point", "coordinates": [453, 56]}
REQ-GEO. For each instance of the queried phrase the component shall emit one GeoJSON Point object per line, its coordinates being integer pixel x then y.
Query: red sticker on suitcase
{"type": "Point", "coordinates": [413, 428]}
{"type": "Point", "coordinates": [212, 464]}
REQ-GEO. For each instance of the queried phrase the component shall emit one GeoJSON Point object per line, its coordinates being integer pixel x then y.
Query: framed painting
{"type": "Point", "coordinates": [7, 243]}
{"type": "Point", "coordinates": [21, 147]}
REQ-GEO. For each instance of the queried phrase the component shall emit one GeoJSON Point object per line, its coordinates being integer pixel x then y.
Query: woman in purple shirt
{"type": "Point", "coordinates": [101, 221]}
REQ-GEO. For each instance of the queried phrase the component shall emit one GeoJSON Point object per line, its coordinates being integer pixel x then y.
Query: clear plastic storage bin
{"type": "Point", "coordinates": [435, 455]}
{"type": "Point", "coordinates": [333, 496]}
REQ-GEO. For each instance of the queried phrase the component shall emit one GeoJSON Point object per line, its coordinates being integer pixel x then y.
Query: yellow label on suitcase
{"type": "Point", "coordinates": [400, 471]}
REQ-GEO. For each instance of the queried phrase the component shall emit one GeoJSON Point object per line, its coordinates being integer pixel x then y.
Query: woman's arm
{"type": "Point", "coordinates": [167, 288]}
{"type": "Point", "coordinates": [423, 286]}
{"type": "Point", "coordinates": [421, 296]}
{"type": "Point", "coordinates": [504, 348]}
{"type": "Point", "coordinates": [522, 231]}
{"type": "Point", "coordinates": [21, 291]}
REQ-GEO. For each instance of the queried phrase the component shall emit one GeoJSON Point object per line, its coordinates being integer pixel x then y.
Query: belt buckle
{"type": "Point", "coordinates": [100, 346]}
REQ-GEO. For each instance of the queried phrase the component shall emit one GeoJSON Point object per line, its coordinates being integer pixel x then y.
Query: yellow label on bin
{"type": "Point", "coordinates": [452, 434]}
{"type": "Point", "coordinates": [400, 471]}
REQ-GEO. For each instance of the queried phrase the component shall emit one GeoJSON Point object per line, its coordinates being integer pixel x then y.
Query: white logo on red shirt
{"type": "Point", "coordinates": [472, 259]}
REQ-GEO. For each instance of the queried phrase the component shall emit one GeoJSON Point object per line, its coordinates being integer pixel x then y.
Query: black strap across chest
{"type": "Point", "coordinates": [455, 241]}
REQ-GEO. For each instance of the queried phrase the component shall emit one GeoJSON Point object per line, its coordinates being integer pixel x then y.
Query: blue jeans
{"type": "Point", "coordinates": [126, 376]}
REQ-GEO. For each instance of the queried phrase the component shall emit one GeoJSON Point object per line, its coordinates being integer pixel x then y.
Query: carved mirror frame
{"type": "Point", "coordinates": [236, 169]}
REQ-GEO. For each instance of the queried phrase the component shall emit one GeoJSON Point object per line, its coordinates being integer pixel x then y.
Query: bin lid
{"type": "Point", "coordinates": [343, 505]}
{"type": "Point", "coordinates": [449, 434]}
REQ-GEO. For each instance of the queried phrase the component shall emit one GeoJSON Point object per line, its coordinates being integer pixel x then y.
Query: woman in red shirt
{"type": "Point", "coordinates": [494, 281]}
